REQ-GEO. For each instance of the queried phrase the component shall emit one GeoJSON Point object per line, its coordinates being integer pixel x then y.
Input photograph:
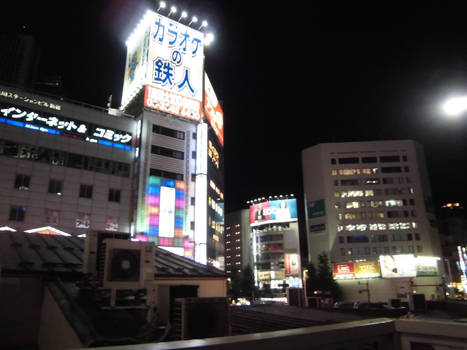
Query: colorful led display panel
{"type": "Point", "coordinates": [165, 214]}
{"type": "Point", "coordinates": [281, 210]}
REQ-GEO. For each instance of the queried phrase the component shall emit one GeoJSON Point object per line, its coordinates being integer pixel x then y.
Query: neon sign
{"type": "Point", "coordinates": [58, 125]}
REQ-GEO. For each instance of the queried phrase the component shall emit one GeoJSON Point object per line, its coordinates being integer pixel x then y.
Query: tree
{"type": "Point", "coordinates": [247, 284]}
{"type": "Point", "coordinates": [326, 280]}
{"type": "Point", "coordinates": [312, 281]}
{"type": "Point", "coordinates": [234, 288]}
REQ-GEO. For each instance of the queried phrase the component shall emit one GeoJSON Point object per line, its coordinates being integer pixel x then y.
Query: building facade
{"type": "Point", "coordinates": [275, 243]}
{"type": "Point", "coordinates": [180, 140]}
{"type": "Point", "coordinates": [369, 206]}
{"type": "Point", "coordinates": [66, 165]}
{"type": "Point", "coordinates": [238, 252]}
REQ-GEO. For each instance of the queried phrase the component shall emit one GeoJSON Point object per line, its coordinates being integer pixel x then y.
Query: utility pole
{"type": "Point", "coordinates": [367, 289]}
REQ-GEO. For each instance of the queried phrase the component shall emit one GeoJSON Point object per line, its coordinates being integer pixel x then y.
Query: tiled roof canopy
{"type": "Point", "coordinates": [22, 252]}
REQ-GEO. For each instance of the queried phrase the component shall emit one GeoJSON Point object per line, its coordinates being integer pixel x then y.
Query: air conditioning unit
{"type": "Point", "coordinates": [93, 249]}
{"type": "Point", "coordinates": [128, 265]}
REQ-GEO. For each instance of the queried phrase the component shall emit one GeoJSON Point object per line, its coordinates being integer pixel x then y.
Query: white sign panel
{"type": "Point", "coordinates": [394, 266]}
{"type": "Point", "coordinates": [175, 65]}
{"type": "Point", "coordinates": [167, 212]}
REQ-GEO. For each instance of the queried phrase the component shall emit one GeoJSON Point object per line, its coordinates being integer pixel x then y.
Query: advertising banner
{"type": "Point", "coordinates": [175, 68]}
{"type": "Point", "coordinates": [343, 270]}
{"type": "Point", "coordinates": [367, 269]}
{"type": "Point", "coordinates": [291, 264]}
{"type": "Point", "coordinates": [427, 266]}
{"type": "Point", "coordinates": [395, 266]}
{"type": "Point", "coordinates": [213, 110]}
{"type": "Point", "coordinates": [276, 211]}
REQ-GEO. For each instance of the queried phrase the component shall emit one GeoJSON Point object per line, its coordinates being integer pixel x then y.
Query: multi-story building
{"type": "Point", "coordinates": [275, 242]}
{"type": "Point", "coordinates": [180, 133]}
{"type": "Point", "coordinates": [65, 165]}
{"type": "Point", "coordinates": [237, 241]}
{"type": "Point", "coordinates": [368, 204]}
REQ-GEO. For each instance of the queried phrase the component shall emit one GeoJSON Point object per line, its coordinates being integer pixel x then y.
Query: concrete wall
{"type": "Point", "coordinates": [55, 333]}
{"type": "Point", "coordinates": [20, 308]}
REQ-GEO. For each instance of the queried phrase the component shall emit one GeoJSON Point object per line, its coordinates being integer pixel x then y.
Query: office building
{"type": "Point", "coordinates": [180, 140]}
{"type": "Point", "coordinates": [275, 243]}
{"type": "Point", "coordinates": [238, 253]}
{"type": "Point", "coordinates": [369, 206]}
{"type": "Point", "coordinates": [65, 165]}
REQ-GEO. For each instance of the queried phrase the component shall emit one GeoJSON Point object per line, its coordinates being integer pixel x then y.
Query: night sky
{"type": "Point", "coordinates": [288, 77]}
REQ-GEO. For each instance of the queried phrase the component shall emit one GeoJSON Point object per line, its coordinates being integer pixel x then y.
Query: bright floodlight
{"type": "Point", "coordinates": [161, 5]}
{"type": "Point", "coordinates": [455, 106]}
{"type": "Point", "coordinates": [208, 39]}
{"type": "Point", "coordinates": [173, 9]}
{"type": "Point", "coordinates": [203, 24]}
{"type": "Point", "coordinates": [194, 19]}
{"type": "Point", "coordinates": [184, 14]}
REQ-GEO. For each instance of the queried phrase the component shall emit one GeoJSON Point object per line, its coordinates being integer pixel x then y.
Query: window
{"type": "Point", "coordinates": [352, 160]}
{"type": "Point", "coordinates": [83, 220]}
{"type": "Point", "coordinates": [369, 160]}
{"type": "Point", "coordinates": [357, 239]}
{"type": "Point", "coordinates": [167, 152]}
{"type": "Point", "coordinates": [162, 130]}
{"type": "Point", "coordinates": [22, 182]}
{"type": "Point", "coordinates": [17, 213]}
{"type": "Point", "coordinates": [85, 191]}
{"type": "Point", "coordinates": [350, 182]}
{"type": "Point", "coordinates": [391, 169]}
{"type": "Point", "coordinates": [389, 159]}
{"type": "Point", "coordinates": [55, 186]}
{"type": "Point", "coordinates": [114, 195]}
{"type": "Point", "coordinates": [373, 181]}
{"type": "Point", "coordinates": [52, 216]}
{"type": "Point", "coordinates": [193, 154]}
{"type": "Point", "coordinates": [417, 236]}
{"type": "Point", "coordinates": [166, 174]}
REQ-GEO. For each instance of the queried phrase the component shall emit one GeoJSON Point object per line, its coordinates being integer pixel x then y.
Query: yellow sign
{"type": "Point", "coordinates": [366, 269]}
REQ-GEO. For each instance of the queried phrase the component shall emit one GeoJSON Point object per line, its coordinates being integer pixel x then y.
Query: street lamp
{"type": "Point", "coordinates": [455, 106]}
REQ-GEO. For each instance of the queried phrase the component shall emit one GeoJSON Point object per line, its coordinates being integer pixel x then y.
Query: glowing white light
{"type": "Point", "coordinates": [173, 9]}
{"type": "Point", "coordinates": [183, 15]}
{"type": "Point", "coordinates": [194, 19]}
{"type": "Point", "coordinates": [208, 39]}
{"type": "Point", "coordinates": [203, 25]}
{"type": "Point", "coordinates": [48, 228]}
{"type": "Point", "coordinates": [455, 106]}
{"type": "Point", "coordinates": [161, 5]}
{"type": "Point", "coordinates": [7, 228]}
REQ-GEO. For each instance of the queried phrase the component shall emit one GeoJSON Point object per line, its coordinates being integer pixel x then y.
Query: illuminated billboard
{"type": "Point", "coordinates": [276, 211]}
{"type": "Point", "coordinates": [213, 110]}
{"type": "Point", "coordinates": [343, 270]}
{"type": "Point", "coordinates": [292, 264]}
{"type": "Point", "coordinates": [57, 125]}
{"type": "Point", "coordinates": [367, 269]}
{"type": "Point", "coordinates": [395, 266]}
{"type": "Point", "coordinates": [165, 215]}
{"type": "Point", "coordinates": [167, 57]}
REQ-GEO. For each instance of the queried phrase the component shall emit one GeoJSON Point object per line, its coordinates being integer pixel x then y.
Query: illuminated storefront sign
{"type": "Point", "coordinates": [31, 100]}
{"type": "Point", "coordinates": [165, 215]}
{"type": "Point", "coordinates": [427, 265]}
{"type": "Point", "coordinates": [343, 270]}
{"type": "Point", "coordinates": [170, 102]}
{"type": "Point", "coordinates": [213, 110]}
{"type": "Point", "coordinates": [57, 125]}
{"type": "Point", "coordinates": [213, 154]}
{"type": "Point", "coordinates": [168, 58]}
{"type": "Point", "coordinates": [367, 269]}
{"type": "Point", "coordinates": [394, 266]}
{"type": "Point", "coordinates": [276, 211]}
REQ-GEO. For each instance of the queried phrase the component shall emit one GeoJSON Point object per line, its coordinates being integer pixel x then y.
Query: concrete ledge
{"type": "Point", "coordinates": [317, 337]}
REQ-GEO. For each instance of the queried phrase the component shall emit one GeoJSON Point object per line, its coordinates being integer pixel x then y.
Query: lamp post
{"type": "Point", "coordinates": [455, 106]}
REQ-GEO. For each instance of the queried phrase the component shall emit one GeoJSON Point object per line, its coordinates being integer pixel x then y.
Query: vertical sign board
{"type": "Point", "coordinates": [174, 69]}
{"type": "Point", "coordinates": [213, 110]}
